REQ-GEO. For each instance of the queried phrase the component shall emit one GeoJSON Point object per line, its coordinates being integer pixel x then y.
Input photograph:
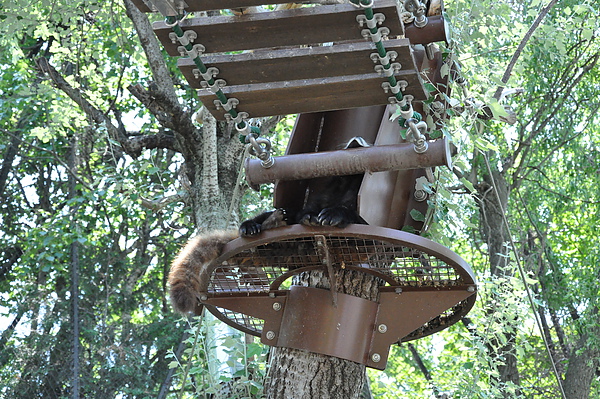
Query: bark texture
{"type": "Point", "coordinates": [493, 199]}
{"type": "Point", "coordinates": [298, 374]}
{"type": "Point", "coordinates": [584, 364]}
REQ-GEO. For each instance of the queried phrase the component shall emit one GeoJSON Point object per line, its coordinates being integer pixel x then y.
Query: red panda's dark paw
{"type": "Point", "coordinates": [250, 228]}
{"type": "Point", "coordinates": [338, 217]}
{"type": "Point", "coordinates": [309, 219]}
{"type": "Point", "coordinates": [277, 219]}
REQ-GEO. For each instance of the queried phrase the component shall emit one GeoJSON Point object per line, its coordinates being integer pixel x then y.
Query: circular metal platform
{"type": "Point", "coordinates": [265, 265]}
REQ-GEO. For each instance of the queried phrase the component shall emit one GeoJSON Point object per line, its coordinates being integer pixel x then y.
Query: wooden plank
{"type": "Point", "coordinates": [207, 5]}
{"type": "Point", "coordinates": [142, 5]}
{"type": "Point", "coordinates": [299, 96]}
{"type": "Point", "coordinates": [263, 66]}
{"type": "Point", "coordinates": [302, 26]}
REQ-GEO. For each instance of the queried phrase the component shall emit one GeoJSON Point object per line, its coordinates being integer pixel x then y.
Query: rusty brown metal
{"type": "Point", "coordinates": [348, 162]}
{"type": "Point", "coordinates": [311, 322]}
{"type": "Point", "coordinates": [260, 266]}
{"type": "Point", "coordinates": [436, 30]}
{"type": "Point", "coordinates": [404, 312]}
{"type": "Point", "coordinates": [324, 131]}
{"type": "Point", "coordinates": [386, 198]}
{"type": "Point", "coordinates": [427, 288]}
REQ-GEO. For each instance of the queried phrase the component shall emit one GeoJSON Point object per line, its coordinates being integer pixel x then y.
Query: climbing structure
{"type": "Point", "coordinates": [366, 68]}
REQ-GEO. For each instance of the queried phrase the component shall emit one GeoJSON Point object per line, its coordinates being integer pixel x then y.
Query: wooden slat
{"type": "Point", "coordinates": [263, 66]}
{"type": "Point", "coordinates": [142, 6]}
{"type": "Point", "coordinates": [207, 5]}
{"type": "Point", "coordinates": [302, 26]}
{"type": "Point", "coordinates": [299, 96]}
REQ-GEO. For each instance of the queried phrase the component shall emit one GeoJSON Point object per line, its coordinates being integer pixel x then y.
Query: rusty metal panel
{"type": "Point", "coordinates": [311, 322]}
{"type": "Point", "coordinates": [324, 131]}
{"type": "Point", "coordinates": [402, 313]}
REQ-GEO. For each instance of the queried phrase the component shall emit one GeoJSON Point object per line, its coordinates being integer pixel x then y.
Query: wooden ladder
{"type": "Point", "coordinates": [308, 59]}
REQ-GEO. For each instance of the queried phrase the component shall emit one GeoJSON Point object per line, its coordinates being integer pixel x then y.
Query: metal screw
{"type": "Point", "coordinates": [376, 357]}
{"type": "Point", "coordinates": [276, 306]}
{"type": "Point", "coordinates": [271, 295]}
{"type": "Point", "coordinates": [382, 328]}
{"type": "Point", "coordinates": [420, 195]}
{"type": "Point", "coordinates": [270, 335]}
{"type": "Point", "coordinates": [203, 297]}
{"type": "Point", "coordinates": [437, 106]}
{"type": "Point", "coordinates": [398, 290]}
{"type": "Point", "coordinates": [471, 288]}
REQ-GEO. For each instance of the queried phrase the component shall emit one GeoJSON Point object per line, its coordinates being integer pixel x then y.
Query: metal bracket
{"type": "Point", "coordinates": [188, 37]}
{"type": "Point", "coordinates": [387, 72]}
{"type": "Point", "coordinates": [241, 116]}
{"type": "Point", "coordinates": [382, 32]}
{"type": "Point", "coordinates": [214, 88]}
{"type": "Point", "coordinates": [420, 189]}
{"type": "Point", "coordinates": [356, 329]}
{"type": "Point", "coordinates": [196, 51]}
{"type": "Point", "coordinates": [231, 104]}
{"type": "Point", "coordinates": [377, 20]}
{"type": "Point", "coordinates": [210, 73]}
{"type": "Point", "coordinates": [387, 87]}
{"type": "Point", "coordinates": [389, 56]}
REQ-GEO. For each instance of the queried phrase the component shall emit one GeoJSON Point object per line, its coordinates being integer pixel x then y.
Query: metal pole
{"type": "Point", "coordinates": [436, 30]}
{"type": "Point", "coordinates": [348, 162]}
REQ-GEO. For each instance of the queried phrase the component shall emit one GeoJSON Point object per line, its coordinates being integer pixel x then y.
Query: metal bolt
{"type": "Point", "coordinates": [398, 290]}
{"type": "Point", "coordinates": [382, 328]}
{"type": "Point", "coordinates": [376, 357]}
{"type": "Point", "coordinates": [203, 297]}
{"type": "Point", "coordinates": [471, 288]}
{"type": "Point", "coordinates": [276, 306]}
{"type": "Point", "coordinates": [271, 295]}
{"type": "Point", "coordinates": [421, 146]}
{"type": "Point", "coordinates": [270, 335]}
{"type": "Point", "coordinates": [420, 195]}
{"type": "Point", "coordinates": [437, 106]}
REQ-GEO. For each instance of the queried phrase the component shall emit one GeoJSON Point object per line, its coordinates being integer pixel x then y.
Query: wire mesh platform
{"type": "Point", "coordinates": [267, 265]}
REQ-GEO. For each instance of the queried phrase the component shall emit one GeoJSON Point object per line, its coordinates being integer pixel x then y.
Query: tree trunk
{"type": "Point", "coordinates": [493, 199]}
{"type": "Point", "coordinates": [583, 364]}
{"type": "Point", "coordinates": [298, 374]}
{"type": "Point", "coordinates": [580, 374]}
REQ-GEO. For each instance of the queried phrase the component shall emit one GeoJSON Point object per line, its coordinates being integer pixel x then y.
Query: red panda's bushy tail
{"type": "Point", "coordinates": [186, 268]}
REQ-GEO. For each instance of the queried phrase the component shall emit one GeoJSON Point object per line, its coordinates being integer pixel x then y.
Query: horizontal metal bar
{"type": "Point", "coordinates": [348, 162]}
{"type": "Point", "coordinates": [436, 30]}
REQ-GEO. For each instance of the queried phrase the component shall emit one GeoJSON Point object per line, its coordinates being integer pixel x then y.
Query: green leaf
{"type": "Point", "coordinates": [417, 215]}
{"type": "Point", "coordinates": [430, 87]}
{"type": "Point", "coordinates": [467, 184]}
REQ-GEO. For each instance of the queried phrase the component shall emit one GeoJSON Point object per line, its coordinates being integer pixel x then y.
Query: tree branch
{"type": "Point", "coordinates": [134, 146]}
{"type": "Point", "coordinates": [152, 49]}
{"type": "Point", "coordinates": [417, 358]}
{"type": "Point", "coordinates": [521, 46]}
{"type": "Point", "coordinates": [159, 204]}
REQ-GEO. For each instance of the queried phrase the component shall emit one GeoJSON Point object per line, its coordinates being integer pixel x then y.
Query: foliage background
{"type": "Point", "coordinates": [90, 224]}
